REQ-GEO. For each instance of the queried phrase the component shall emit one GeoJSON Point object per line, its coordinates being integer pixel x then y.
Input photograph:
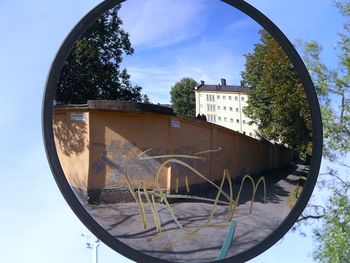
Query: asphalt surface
{"type": "Point", "coordinates": [122, 220]}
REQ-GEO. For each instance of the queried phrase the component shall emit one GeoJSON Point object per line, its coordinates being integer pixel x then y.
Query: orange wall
{"type": "Point", "coordinates": [113, 141]}
{"type": "Point", "coordinates": [72, 144]}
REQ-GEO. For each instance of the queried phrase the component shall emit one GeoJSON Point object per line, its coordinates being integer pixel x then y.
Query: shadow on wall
{"type": "Point", "coordinates": [70, 135]}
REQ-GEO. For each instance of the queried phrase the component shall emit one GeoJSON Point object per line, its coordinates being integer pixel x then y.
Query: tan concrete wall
{"type": "Point", "coordinates": [118, 138]}
{"type": "Point", "coordinates": [72, 144]}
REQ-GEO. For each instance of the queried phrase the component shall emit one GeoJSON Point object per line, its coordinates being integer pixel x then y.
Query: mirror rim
{"type": "Point", "coordinates": [86, 218]}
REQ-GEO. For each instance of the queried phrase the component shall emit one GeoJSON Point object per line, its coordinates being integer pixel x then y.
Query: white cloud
{"type": "Point", "coordinates": [157, 23]}
{"type": "Point", "coordinates": [208, 60]}
{"type": "Point", "coordinates": [242, 24]}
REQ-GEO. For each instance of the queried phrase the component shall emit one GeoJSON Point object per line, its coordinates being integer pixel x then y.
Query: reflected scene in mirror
{"type": "Point", "coordinates": [183, 128]}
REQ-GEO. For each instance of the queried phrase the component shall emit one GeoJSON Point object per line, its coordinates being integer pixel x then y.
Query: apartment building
{"type": "Point", "coordinates": [223, 105]}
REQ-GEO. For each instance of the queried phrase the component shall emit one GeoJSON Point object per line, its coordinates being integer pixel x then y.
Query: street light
{"type": "Point", "coordinates": [94, 247]}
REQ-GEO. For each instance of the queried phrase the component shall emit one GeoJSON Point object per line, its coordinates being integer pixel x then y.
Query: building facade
{"type": "Point", "coordinates": [223, 105]}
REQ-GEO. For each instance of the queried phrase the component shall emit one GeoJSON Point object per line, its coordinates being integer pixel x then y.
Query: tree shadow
{"type": "Point", "coordinates": [275, 191]}
{"type": "Point", "coordinates": [70, 134]}
{"type": "Point", "coordinates": [123, 222]}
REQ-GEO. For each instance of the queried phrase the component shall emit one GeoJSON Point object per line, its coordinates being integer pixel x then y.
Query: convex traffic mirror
{"type": "Point", "coordinates": [182, 131]}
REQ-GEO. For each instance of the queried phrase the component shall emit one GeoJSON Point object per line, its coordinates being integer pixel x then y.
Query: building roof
{"type": "Point", "coordinates": [220, 88]}
{"type": "Point", "coordinates": [117, 105]}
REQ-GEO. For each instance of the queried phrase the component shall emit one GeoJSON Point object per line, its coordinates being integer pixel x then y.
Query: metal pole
{"type": "Point", "coordinates": [95, 251]}
{"type": "Point", "coordinates": [93, 247]}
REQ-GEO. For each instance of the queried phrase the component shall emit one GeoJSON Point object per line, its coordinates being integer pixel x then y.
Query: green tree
{"type": "Point", "coordinates": [332, 85]}
{"type": "Point", "coordinates": [183, 97]}
{"type": "Point", "coordinates": [334, 235]}
{"type": "Point", "coordinates": [333, 90]}
{"type": "Point", "coordinates": [277, 101]}
{"type": "Point", "coordinates": [145, 99]}
{"type": "Point", "coordinates": [92, 69]}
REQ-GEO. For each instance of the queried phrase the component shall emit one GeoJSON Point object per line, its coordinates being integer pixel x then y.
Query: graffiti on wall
{"type": "Point", "coordinates": [122, 158]}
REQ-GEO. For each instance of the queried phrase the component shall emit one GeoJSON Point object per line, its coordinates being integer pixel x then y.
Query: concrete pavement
{"type": "Point", "coordinates": [122, 220]}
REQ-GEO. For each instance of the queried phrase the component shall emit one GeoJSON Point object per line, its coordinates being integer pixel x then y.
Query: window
{"type": "Point", "coordinates": [244, 133]}
{"type": "Point", "coordinates": [250, 134]}
{"type": "Point", "coordinates": [236, 109]}
{"type": "Point", "coordinates": [224, 107]}
{"type": "Point", "coordinates": [218, 96]}
{"type": "Point", "coordinates": [210, 107]}
{"type": "Point", "coordinates": [242, 98]}
{"type": "Point", "coordinates": [224, 97]}
{"type": "Point", "coordinates": [231, 120]}
{"type": "Point", "coordinates": [231, 109]}
{"type": "Point", "coordinates": [219, 118]}
{"type": "Point", "coordinates": [243, 121]}
{"type": "Point", "coordinates": [210, 97]}
{"type": "Point", "coordinates": [237, 120]}
{"type": "Point", "coordinates": [219, 107]}
{"type": "Point", "coordinates": [236, 98]}
{"type": "Point", "coordinates": [225, 119]}
{"type": "Point", "coordinates": [229, 97]}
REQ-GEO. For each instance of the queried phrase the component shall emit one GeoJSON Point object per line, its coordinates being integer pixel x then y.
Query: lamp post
{"type": "Point", "coordinates": [94, 247]}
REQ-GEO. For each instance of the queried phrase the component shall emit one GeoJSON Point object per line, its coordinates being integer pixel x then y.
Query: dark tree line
{"type": "Point", "coordinates": [92, 70]}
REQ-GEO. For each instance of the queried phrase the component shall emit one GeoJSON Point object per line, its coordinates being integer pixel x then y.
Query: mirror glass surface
{"type": "Point", "coordinates": [183, 128]}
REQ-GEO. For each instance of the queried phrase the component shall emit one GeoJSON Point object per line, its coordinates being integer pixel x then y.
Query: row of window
{"type": "Point", "coordinates": [211, 97]}
{"type": "Point", "coordinates": [225, 108]}
{"type": "Point", "coordinates": [229, 97]}
{"type": "Point", "coordinates": [211, 118]}
{"type": "Point", "coordinates": [210, 107]}
{"type": "Point", "coordinates": [231, 120]}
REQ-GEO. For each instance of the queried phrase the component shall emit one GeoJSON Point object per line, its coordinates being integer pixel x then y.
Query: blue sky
{"type": "Point", "coordinates": [36, 224]}
{"type": "Point", "coordinates": [189, 44]}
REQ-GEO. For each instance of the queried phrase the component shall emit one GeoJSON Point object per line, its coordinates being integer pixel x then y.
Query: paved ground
{"type": "Point", "coordinates": [123, 221]}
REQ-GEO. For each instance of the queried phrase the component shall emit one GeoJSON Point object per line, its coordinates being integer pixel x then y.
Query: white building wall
{"type": "Point", "coordinates": [225, 109]}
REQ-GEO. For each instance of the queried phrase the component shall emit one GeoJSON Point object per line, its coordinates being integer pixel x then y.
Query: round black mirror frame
{"type": "Point", "coordinates": [101, 233]}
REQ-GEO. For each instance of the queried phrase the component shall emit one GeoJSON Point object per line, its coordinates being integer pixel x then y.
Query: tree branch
{"type": "Point", "coordinates": [304, 218]}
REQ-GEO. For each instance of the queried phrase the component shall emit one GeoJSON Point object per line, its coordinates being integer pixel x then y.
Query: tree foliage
{"type": "Point", "coordinates": [332, 86]}
{"type": "Point", "coordinates": [333, 90]}
{"type": "Point", "coordinates": [334, 235]}
{"type": "Point", "coordinates": [183, 97]}
{"type": "Point", "coordinates": [277, 101]}
{"type": "Point", "coordinates": [92, 69]}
